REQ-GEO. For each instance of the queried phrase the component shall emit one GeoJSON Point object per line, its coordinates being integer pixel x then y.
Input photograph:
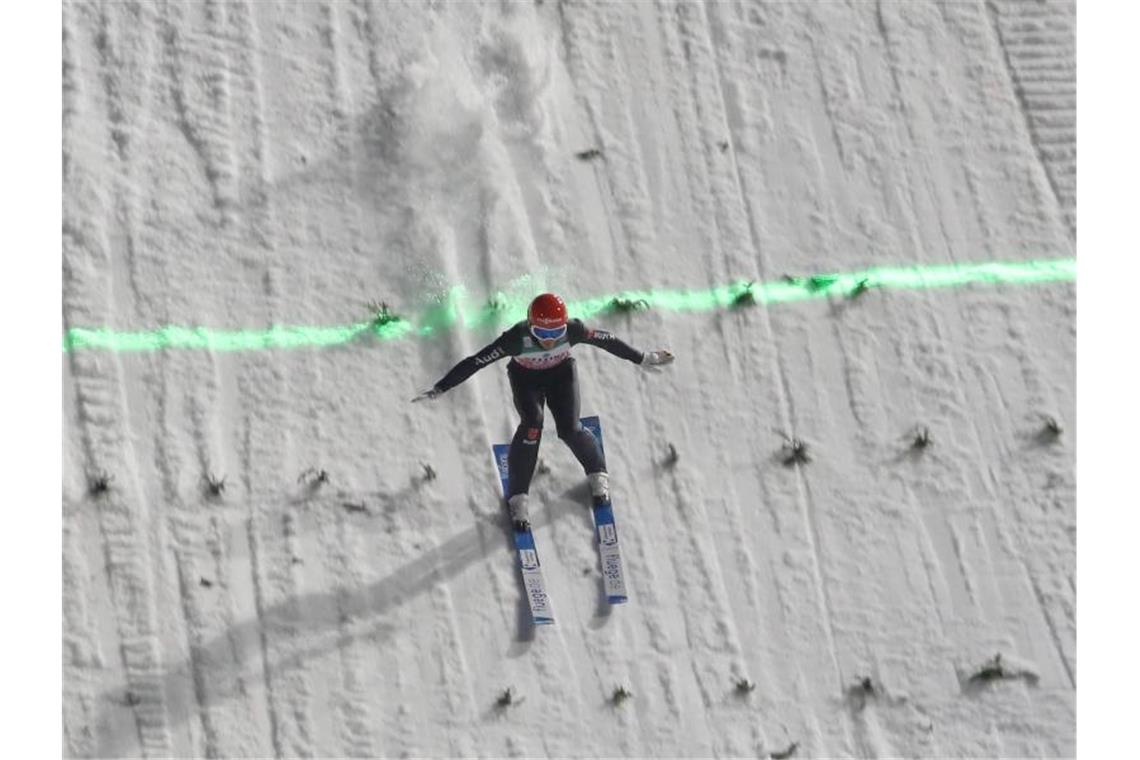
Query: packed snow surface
{"type": "Point", "coordinates": [248, 164]}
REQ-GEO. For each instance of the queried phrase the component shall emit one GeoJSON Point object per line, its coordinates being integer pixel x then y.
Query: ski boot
{"type": "Point", "coordinates": [520, 514]}
{"type": "Point", "coordinates": [599, 488]}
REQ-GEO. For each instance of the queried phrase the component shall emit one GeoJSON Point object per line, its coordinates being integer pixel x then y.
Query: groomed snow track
{"type": "Point", "coordinates": [244, 164]}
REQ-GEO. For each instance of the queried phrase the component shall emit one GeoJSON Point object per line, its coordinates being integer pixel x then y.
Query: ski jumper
{"type": "Point", "coordinates": [539, 375]}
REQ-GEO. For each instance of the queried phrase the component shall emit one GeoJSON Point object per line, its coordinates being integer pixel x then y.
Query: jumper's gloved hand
{"type": "Point", "coordinates": [427, 395]}
{"type": "Point", "coordinates": [656, 358]}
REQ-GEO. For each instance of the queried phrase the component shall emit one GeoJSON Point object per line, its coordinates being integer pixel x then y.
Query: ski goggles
{"type": "Point", "coordinates": [547, 333]}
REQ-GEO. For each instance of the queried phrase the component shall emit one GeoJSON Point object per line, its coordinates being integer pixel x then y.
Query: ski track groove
{"type": "Point", "coordinates": [610, 372]}
{"type": "Point", "coordinates": [861, 402]}
{"type": "Point", "coordinates": [183, 525]}
{"type": "Point", "coordinates": [726, 651]}
{"type": "Point", "coordinates": [1030, 374]}
{"type": "Point", "coordinates": [525, 144]}
{"type": "Point", "coordinates": [710, 161]}
{"type": "Point", "coordinates": [607, 369]}
{"type": "Point", "coordinates": [80, 647]}
{"type": "Point", "coordinates": [643, 579]}
{"type": "Point", "coordinates": [207, 617]}
{"type": "Point", "coordinates": [102, 402]}
{"type": "Point", "coordinates": [904, 367]}
{"type": "Point", "coordinates": [705, 201]}
{"type": "Point", "coordinates": [353, 702]}
{"type": "Point", "coordinates": [449, 665]}
{"type": "Point", "coordinates": [580, 70]}
{"type": "Point", "coordinates": [455, 676]}
{"type": "Point", "coordinates": [307, 380]}
{"type": "Point", "coordinates": [682, 695]}
{"type": "Point", "coordinates": [972, 341]}
{"type": "Point", "coordinates": [722, 645]}
{"type": "Point", "coordinates": [217, 660]}
{"type": "Point", "coordinates": [219, 421]}
{"type": "Point", "coordinates": [1022, 44]}
{"type": "Point", "coordinates": [269, 455]}
{"type": "Point", "coordinates": [81, 640]}
{"type": "Point", "coordinates": [729, 113]}
{"type": "Point", "coordinates": [894, 65]}
{"type": "Point", "coordinates": [939, 331]}
{"type": "Point", "coordinates": [181, 521]}
{"type": "Point", "coordinates": [204, 137]}
{"type": "Point", "coordinates": [730, 534]}
{"type": "Point", "coordinates": [952, 422]}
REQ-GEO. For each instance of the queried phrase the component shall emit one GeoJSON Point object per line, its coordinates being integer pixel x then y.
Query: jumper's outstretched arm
{"type": "Point", "coordinates": [465, 369]}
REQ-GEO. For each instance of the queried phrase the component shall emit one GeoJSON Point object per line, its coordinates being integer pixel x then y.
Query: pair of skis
{"type": "Point", "coordinates": [605, 532]}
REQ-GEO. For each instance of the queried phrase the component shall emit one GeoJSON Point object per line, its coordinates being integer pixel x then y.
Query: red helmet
{"type": "Point", "coordinates": [547, 310]}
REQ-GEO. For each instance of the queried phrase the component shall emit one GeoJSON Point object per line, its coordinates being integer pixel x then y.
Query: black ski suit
{"type": "Point", "coordinates": [539, 374]}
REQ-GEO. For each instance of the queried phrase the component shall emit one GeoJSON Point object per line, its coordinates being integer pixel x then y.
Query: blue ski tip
{"type": "Point", "coordinates": [544, 621]}
{"type": "Point", "coordinates": [617, 599]}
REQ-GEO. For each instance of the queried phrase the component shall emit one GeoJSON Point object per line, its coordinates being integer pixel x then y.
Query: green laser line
{"type": "Point", "coordinates": [452, 310]}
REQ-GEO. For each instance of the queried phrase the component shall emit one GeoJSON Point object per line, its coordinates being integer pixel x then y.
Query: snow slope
{"type": "Point", "coordinates": [243, 164]}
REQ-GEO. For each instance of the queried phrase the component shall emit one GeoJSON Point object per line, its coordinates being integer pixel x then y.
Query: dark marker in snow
{"type": "Point", "coordinates": [791, 750]}
{"type": "Point", "coordinates": [507, 699]}
{"type": "Point", "coordinates": [380, 314]}
{"type": "Point", "coordinates": [795, 451]}
{"type": "Point", "coordinates": [996, 669]}
{"type": "Point", "coordinates": [314, 478]}
{"type": "Point", "coordinates": [214, 486]}
{"type": "Point", "coordinates": [819, 282]}
{"type": "Point", "coordinates": [860, 691]}
{"type": "Point", "coordinates": [992, 670]}
{"type": "Point", "coordinates": [621, 305]}
{"type": "Point", "coordinates": [860, 288]}
{"type": "Point", "coordinates": [745, 297]}
{"type": "Point", "coordinates": [99, 483]}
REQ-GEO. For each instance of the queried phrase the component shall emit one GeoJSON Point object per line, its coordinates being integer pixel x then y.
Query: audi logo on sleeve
{"type": "Point", "coordinates": [489, 357]}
